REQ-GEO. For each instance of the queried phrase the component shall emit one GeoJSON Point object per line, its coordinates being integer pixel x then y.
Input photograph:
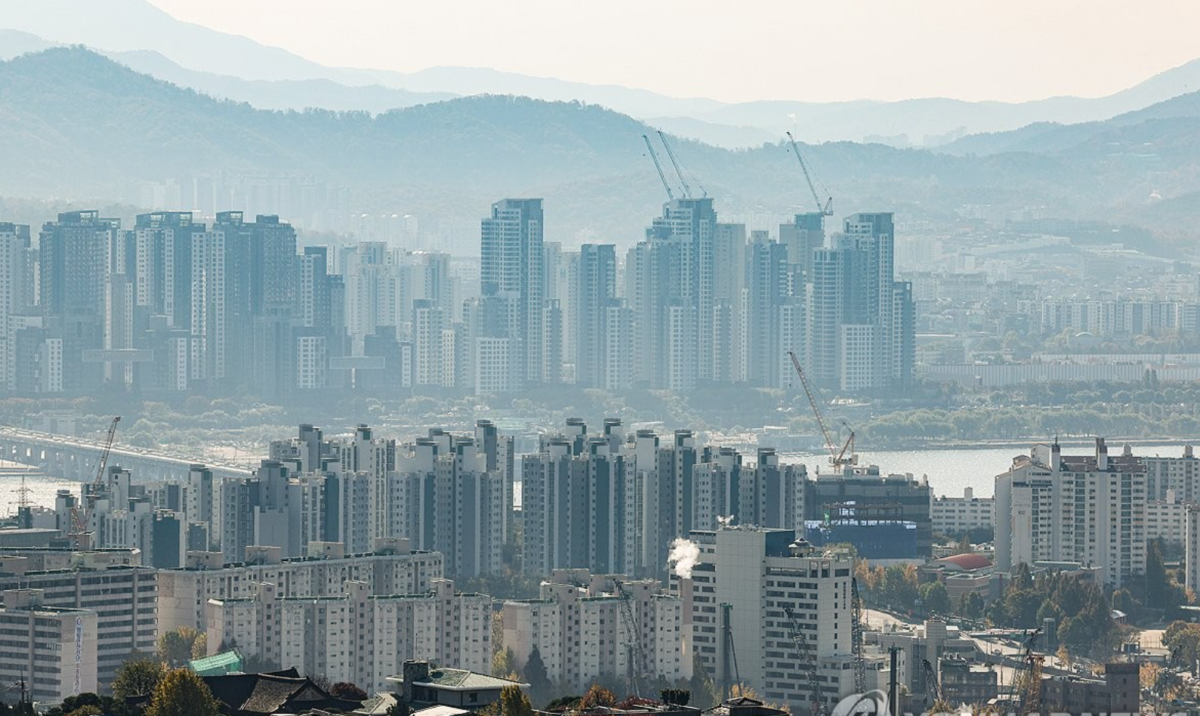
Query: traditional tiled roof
{"type": "Point", "coordinates": [271, 693]}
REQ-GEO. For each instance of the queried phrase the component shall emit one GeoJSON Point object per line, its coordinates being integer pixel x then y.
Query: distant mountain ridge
{"type": "Point", "coordinates": [77, 125]}
{"type": "Point", "coordinates": [235, 67]}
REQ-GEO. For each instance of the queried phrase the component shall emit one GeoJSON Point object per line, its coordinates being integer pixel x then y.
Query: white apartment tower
{"type": "Point", "coordinates": [760, 574]}
{"type": "Point", "coordinates": [1089, 510]}
{"type": "Point", "coordinates": [581, 629]}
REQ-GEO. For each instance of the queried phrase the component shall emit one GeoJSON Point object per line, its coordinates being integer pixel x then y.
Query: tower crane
{"type": "Point", "coordinates": [807, 659]}
{"type": "Point", "coordinates": [687, 190]}
{"type": "Point", "coordinates": [856, 638]}
{"type": "Point", "coordinates": [932, 688]}
{"type": "Point", "coordinates": [82, 515]}
{"type": "Point", "coordinates": [1030, 680]}
{"type": "Point", "coordinates": [658, 166]}
{"type": "Point", "coordinates": [827, 208]}
{"type": "Point", "coordinates": [637, 667]}
{"type": "Point", "coordinates": [837, 458]}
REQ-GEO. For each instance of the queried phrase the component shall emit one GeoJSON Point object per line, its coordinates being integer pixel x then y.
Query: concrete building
{"type": "Point", "coordinates": [1167, 520]}
{"type": "Point", "coordinates": [964, 682]}
{"type": "Point", "coordinates": [392, 569]}
{"type": "Point", "coordinates": [1180, 475]}
{"type": "Point", "coordinates": [1191, 547]}
{"type": "Point", "coordinates": [1119, 692]}
{"type": "Point", "coordinates": [761, 574]}
{"type": "Point", "coordinates": [866, 486]}
{"type": "Point", "coordinates": [123, 598]}
{"type": "Point", "coordinates": [581, 629]}
{"type": "Point", "coordinates": [355, 636]}
{"type": "Point", "coordinates": [933, 641]}
{"type": "Point", "coordinates": [1089, 510]}
{"type": "Point", "coordinates": [512, 278]}
{"type": "Point", "coordinates": [52, 649]}
{"type": "Point", "coordinates": [442, 497]}
{"type": "Point", "coordinates": [958, 515]}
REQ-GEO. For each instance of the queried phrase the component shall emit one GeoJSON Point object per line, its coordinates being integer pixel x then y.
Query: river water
{"type": "Point", "coordinates": [949, 471]}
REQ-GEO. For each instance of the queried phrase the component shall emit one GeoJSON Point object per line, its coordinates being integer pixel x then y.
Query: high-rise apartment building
{"type": "Point", "coordinates": [356, 636]}
{"type": "Point", "coordinates": [1084, 509]}
{"type": "Point", "coordinates": [582, 630]}
{"type": "Point", "coordinates": [392, 568]}
{"type": "Point", "coordinates": [597, 291]}
{"type": "Point", "coordinates": [50, 651]}
{"type": "Point", "coordinates": [757, 585]}
{"type": "Point", "coordinates": [511, 284]}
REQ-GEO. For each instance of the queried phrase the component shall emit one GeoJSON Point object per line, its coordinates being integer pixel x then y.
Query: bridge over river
{"type": "Point", "coordinates": [75, 458]}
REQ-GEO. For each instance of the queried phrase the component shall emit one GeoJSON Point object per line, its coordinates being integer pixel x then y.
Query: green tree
{"type": "Point", "coordinates": [538, 678]}
{"type": "Point", "coordinates": [182, 693]}
{"type": "Point", "coordinates": [504, 662]}
{"type": "Point", "coordinates": [137, 677]}
{"type": "Point", "coordinates": [970, 605]}
{"type": "Point", "coordinates": [935, 599]}
{"type": "Point", "coordinates": [175, 646]}
{"type": "Point", "coordinates": [200, 646]}
{"type": "Point", "coordinates": [514, 702]}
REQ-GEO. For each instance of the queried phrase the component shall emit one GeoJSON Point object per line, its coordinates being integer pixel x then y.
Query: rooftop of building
{"type": "Point", "coordinates": [461, 680]}
{"type": "Point", "coordinates": [965, 562]}
{"type": "Point", "coordinates": [225, 662]}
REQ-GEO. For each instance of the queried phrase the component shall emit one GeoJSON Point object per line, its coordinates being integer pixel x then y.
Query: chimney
{"type": "Point", "coordinates": [414, 671]}
{"type": "Point", "coordinates": [1101, 455]}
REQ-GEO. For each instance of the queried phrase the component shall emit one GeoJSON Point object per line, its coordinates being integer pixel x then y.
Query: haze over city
{"type": "Point", "coordinates": [595, 359]}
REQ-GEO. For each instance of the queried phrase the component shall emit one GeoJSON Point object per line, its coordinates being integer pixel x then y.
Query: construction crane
{"type": "Point", "coordinates": [807, 659]}
{"type": "Point", "coordinates": [837, 458]}
{"type": "Point", "coordinates": [827, 209]}
{"type": "Point", "coordinates": [932, 688]}
{"type": "Point", "coordinates": [1030, 678]}
{"type": "Point", "coordinates": [658, 166]}
{"type": "Point", "coordinates": [728, 652]}
{"type": "Point", "coordinates": [687, 190]}
{"type": "Point", "coordinates": [637, 666]}
{"type": "Point", "coordinates": [81, 515]}
{"type": "Point", "coordinates": [856, 638]}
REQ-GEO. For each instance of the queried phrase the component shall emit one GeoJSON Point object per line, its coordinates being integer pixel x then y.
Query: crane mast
{"type": "Point", "coordinates": [827, 209]}
{"type": "Point", "coordinates": [837, 458]}
{"type": "Point", "coordinates": [687, 190]}
{"type": "Point", "coordinates": [658, 166]}
{"type": "Point", "coordinates": [82, 515]}
{"type": "Point", "coordinates": [637, 668]}
{"type": "Point", "coordinates": [932, 688]}
{"type": "Point", "coordinates": [807, 658]}
{"type": "Point", "coordinates": [856, 638]}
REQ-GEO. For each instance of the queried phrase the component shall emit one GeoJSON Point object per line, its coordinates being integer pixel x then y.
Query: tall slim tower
{"type": "Point", "coordinates": [597, 289]}
{"type": "Point", "coordinates": [511, 273]}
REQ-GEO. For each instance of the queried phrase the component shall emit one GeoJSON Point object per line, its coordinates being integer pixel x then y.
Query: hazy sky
{"type": "Point", "coordinates": [753, 49]}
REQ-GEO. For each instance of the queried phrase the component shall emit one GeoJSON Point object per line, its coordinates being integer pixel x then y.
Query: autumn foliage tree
{"type": "Point", "coordinates": [182, 693]}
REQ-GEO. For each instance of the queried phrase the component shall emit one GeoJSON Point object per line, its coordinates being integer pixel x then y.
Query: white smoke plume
{"type": "Point", "coordinates": [684, 555]}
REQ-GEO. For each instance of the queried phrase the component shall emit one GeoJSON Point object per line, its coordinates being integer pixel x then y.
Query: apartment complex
{"type": "Point", "coordinates": [754, 587]}
{"type": "Point", "coordinates": [123, 598]}
{"type": "Point", "coordinates": [612, 502]}
{"type": "Point", "coordinates": [392, 569]}
{"type": "Point", "coordinates": [957, 515]}
{"type": "Point", "coordinates": [356, 636]}
{"type": "Point", "coordinates": [51, 649]}
{"type": "Point", "coordinates": [1085, 509]}
{"type": "Point", "coordinates": [585, 626]}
